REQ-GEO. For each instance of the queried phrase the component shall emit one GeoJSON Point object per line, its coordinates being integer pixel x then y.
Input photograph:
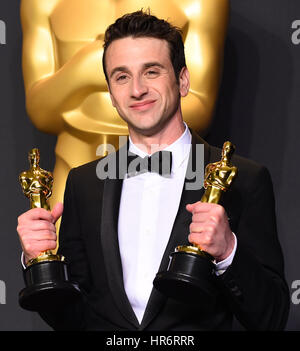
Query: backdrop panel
{"type": "Point", "coordinates": [258, 110]}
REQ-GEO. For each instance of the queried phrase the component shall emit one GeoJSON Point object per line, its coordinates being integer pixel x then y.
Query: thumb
{"type": "Point", "coordinates": [57, 211]}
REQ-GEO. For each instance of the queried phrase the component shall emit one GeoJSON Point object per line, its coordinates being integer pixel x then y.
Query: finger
{"type": "Point", "coordinates": [36, 213]}
{"type": "Point", "coordinates": [191, 207]}
{"type": "Point", "coordinates": [42, 225]}
{"type": "Point", "coordinates": [199, 217]}
{"type": "Point", "coordinates": [57, 211]}
{"type": "Point", "coordinates": [201, 239]}
{"type": "Point", "coordinates": [32, 236]}
{"type": "Point", "coordinates": [47, 245]}
{"type": "Point", "coordinates": [196, 239]}
{"type": "Point", "coordinates": [199, 206]}
{"type": "Point", "coordinates": [36, 248]}
{"type": "Point", "coordinates": [205, 207]}
{"type": "Point", "coordinates": [196, 228]}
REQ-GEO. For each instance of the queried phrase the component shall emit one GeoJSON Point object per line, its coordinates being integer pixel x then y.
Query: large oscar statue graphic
{"type": "Point", "coordinates": [190, 273]}
{"type": "Point", "coordinates": [46, 276]}
{"type": "Point", "coordinates": [66, 91]}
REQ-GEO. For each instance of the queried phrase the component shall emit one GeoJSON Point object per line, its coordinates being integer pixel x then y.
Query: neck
{"type": "Point", "coordinates": [225, 159]}
{"type": "Point", "coordinates": [160, 140]}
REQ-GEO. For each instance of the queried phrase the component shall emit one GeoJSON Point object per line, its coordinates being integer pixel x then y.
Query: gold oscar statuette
{"type": "Point", "coordinates": [46, 276]}
{"type": "Point", "coordinates": [189, 276]}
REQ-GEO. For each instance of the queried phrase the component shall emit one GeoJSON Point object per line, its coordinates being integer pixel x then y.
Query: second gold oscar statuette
{"type": "Point", "coordinates": [188, 277]}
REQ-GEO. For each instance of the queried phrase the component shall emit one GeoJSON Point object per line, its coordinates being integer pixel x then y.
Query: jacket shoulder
{"type": "Point", "coordinates": [251, 175]}
{"type": "Point", "coordinates": [242, 163]}
{"type": "Point", "coordinates": [85, 170]}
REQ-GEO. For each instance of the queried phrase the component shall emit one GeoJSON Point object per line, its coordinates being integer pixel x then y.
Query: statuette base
{"type": "Point", "coordinates": [47, 285]}
{"type": "Point", "coordinates": [45, 257]}
{"type": "Point", "coordinates": [189, 279]}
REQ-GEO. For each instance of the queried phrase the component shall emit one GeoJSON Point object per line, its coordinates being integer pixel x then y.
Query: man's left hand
{"type": "Point", "coordinates": [210, 229]}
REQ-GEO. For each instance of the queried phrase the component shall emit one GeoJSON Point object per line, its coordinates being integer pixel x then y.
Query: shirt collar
{"type": "Point", "coordinates": [180, 148]}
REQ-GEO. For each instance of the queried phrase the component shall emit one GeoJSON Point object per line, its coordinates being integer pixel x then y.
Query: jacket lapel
{"type": "Point", "coordinates": [109, 238]}
{"type": "Point", "coordinates": [179, 232]}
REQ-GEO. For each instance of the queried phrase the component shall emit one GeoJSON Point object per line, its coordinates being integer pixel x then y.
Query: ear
{"type": "Point", "coordinates": [184, 81]}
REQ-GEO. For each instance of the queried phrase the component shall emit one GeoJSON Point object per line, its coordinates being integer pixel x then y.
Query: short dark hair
{"type": "Point", "coordinates": [142, 24]}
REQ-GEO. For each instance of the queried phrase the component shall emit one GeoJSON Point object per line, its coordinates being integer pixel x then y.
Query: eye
{"type": "Point", "coordinates": [122, 78]}
{"type": "Point", "coordinates": [152, 73]}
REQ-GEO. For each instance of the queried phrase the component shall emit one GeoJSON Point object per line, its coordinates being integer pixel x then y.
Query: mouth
{"type": "Point", "coordinates": [143, 105]}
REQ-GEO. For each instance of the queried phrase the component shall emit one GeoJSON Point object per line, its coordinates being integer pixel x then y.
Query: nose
{"type": "Point", "coordinates": [138, 88]}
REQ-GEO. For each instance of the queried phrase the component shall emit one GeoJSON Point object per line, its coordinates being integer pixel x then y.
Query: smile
{"type": "Point", "coordinates": [141, 106]}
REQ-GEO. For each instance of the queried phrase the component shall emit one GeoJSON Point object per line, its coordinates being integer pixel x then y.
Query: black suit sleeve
{"type": "Point", "coordinates": [254, 283]}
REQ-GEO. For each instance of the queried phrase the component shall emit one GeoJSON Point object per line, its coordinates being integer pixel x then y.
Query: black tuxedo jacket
{"type": "Point", "coordinates": [252, 289]}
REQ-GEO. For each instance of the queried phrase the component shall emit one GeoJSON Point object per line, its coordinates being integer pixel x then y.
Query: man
{"type": "Point", "coordinates": [116, 234]}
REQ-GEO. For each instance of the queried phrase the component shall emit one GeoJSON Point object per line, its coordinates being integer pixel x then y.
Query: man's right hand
{"type": "Point", "coordinates": [37, 232]}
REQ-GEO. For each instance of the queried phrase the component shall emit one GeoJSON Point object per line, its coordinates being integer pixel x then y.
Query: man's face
{"type": "Point", "coordinates": [142, 83]}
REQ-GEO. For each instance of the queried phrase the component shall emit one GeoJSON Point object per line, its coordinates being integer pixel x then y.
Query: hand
{"type": "Point", "coordinates": [210, 229]}
{"type": "Point", "coordinates": [87, 64]}
{"type": "Point", "coordinates": [37, 232]}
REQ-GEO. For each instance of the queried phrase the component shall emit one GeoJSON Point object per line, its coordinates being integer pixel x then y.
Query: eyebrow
{"type": "Point", "coordinates": [152, 64]}
{"type": "Point", "coordinates": [119, 69]}
{"type": "Point", "coordinates": [145, 66]}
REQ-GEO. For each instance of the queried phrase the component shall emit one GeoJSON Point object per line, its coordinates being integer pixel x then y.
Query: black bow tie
{"type": "Point", "coordinates": [159, 162]}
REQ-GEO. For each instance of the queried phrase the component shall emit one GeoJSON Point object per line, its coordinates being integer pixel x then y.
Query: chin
{"type": "Point", "coordinates": [146, 131]}
{"type": "Point", "coordinates": [150, 129]}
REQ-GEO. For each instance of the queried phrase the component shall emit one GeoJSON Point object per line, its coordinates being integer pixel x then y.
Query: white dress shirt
{"type": "Point", "coordinates": [148, 207]}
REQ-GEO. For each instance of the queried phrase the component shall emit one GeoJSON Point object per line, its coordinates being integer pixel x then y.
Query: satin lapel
{"type": "Point", "coordinates": [179, 232]}
{"type": "Point", "coordinates": [109, 238]}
